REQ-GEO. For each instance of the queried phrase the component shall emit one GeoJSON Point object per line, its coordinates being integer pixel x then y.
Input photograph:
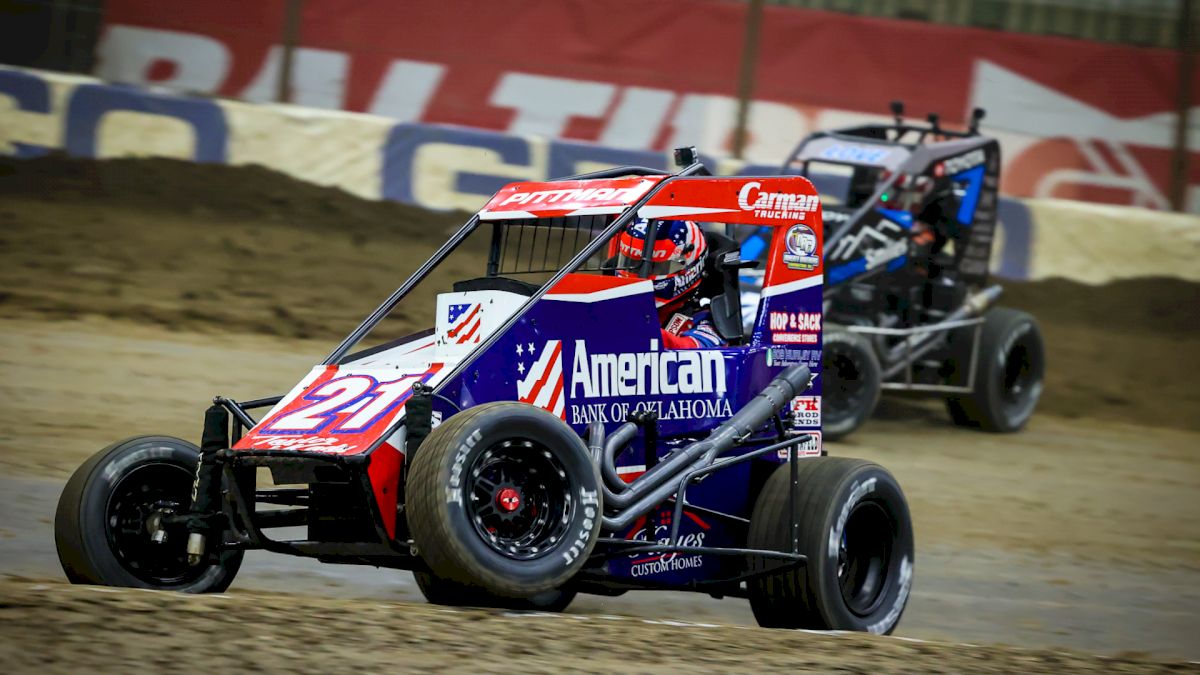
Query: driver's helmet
{"type": "Point", "coordinates": [677, 260]}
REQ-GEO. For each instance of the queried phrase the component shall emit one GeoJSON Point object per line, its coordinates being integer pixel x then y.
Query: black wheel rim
{"type": "Point", "coordinates": [864, 557]}
{"type": "Point", "coordinates": [520, 499]}
{"type": "Point", "coordinates": [845, 391]}
{"type": "Point", "coordinates": [1019, 375]}
{"type": "Point", "coordinates": [148, 491]}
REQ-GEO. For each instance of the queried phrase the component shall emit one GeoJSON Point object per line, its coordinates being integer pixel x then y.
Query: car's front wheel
{"type": "Point", "coordinates": [503, 497]}
{"type": "Point", "coordinates": [112, 527]}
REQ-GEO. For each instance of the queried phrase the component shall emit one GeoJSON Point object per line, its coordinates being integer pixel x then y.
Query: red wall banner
{"type": "Point", "coordinates": [1076, 119]}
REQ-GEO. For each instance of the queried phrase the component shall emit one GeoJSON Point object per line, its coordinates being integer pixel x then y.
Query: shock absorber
{"type": "Point", "coordinates": [205, 513]}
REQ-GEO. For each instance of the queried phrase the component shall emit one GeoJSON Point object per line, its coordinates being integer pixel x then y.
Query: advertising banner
{"type": "Point", "coordinates": [444, 167]}
{"type": "Point", "coordinates": [1076, 119]}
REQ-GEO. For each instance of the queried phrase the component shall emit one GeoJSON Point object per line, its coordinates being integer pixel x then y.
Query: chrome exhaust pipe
{"type": "Point", "coordinates": [659, 482]}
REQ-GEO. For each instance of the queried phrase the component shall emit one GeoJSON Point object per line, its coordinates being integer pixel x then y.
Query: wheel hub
{"type": "Point", "coordinates": [508, 499]}
{"type": "Point", "coordinates": [520, 499]}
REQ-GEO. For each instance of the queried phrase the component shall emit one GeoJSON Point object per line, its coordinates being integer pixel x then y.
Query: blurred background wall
{"type": "Point", "coordinates": [1091, 99]}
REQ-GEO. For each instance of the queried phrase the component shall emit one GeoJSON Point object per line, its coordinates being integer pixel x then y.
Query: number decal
{"type": "Point", "coordinates": [346, 405]}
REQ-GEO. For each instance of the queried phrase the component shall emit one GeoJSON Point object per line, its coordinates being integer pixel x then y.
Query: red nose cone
{"type": "Point", "coordinates": [509, 499]}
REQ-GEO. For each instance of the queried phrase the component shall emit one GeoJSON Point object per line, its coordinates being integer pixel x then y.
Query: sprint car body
{"type": "Point", "coordinates": [539, 441]}
{"type": "Point", "coordinates": [910, 217]}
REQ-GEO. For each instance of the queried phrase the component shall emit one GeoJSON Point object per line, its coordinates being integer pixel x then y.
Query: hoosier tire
{"type": "Point", "coordinates": [855, 530]}
{"type": "Point", "coordinates": [445, 592]}
{"type": "Point", "coordinates": [1008, 372]}
{"type": "Point", "coordinates": [505, 499]}
{"type": "Point", "coordinates": [102, 526]}
{"type": "Point", "coordinates": [851, 380]}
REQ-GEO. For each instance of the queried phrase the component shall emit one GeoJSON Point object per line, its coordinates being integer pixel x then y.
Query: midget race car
{"type": "Point", "coordinates": [539, 441]}
{"type": "Point", "coordinates": [910, 221]}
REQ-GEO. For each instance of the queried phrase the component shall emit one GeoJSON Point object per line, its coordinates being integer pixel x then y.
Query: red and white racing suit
{"type": "Point", "coordinates": [694, 332]}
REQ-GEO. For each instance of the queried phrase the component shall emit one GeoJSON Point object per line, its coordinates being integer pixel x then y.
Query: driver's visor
{"type": "Point", "coordinates": [657, 269]}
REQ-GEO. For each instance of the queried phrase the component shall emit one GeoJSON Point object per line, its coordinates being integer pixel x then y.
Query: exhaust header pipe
{"type": "Point", "coordinates": [915, 347]}
{"type": "Point", "coordinates": [658, 483]}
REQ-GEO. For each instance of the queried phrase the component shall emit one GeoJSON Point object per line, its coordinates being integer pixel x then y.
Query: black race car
{"type": "Point", "coordinates": [910, 220]}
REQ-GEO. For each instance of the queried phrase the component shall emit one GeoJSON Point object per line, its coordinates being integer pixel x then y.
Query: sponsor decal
{"type": "Point", "coordinates": [857, 492]}
{"type": "Point", "coordinates": [884, 233]}
{"type": "Point", "coordinates": [878, 256]}
{"type": "Point", "coordinates": [795, 327]}
{"type": "Point", "coordinates": [577, 195]}
{"type": "Point", "coordinates": [327, 444]}
{"type": "Point", "coordinates": [806, 411]}
{"type": "Point", "coordinates": [695, 372]}
{"type": "Point", "coordinates": [589, 501]}
{"type": "Point", "coordinates": [644, 564]}
{"type": "Point", "coordinates": [464, 322]}
{"type": "Point", "coordinates": [809, 448]}
{"type": "Point", "coordinates": [776, 205]}
{"type": "Point", "coordinates": [650, 373]}
{"type": "Point", "coordinates": [857, 154]}
{"type": "Point", "coordinates": [678, 283]}
{"type": "Point", "coordinates": [790, 356]}
{"type": "Point", "coordinates": [677, 409]}
{"type": "Point", "coordinates": [961, 163]}
{"type": "Point", "coordinates": [800, 246]}
{"type": "Point", "coordinates": [454, 490]}
{"type": "Point", "coordinates": [351, 404]}
{"type": "Point", "coordinates": [889, 620]}
{"type": "Point", "coordinates": [678, 324]}
{"type": "Point", "coordinates": [541, 383]}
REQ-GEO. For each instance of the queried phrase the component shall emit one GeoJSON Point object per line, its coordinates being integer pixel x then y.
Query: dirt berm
{"type": "Point", "coordinates": [56, 628]}
{"type": "Point", "coordinates": [212, 248]}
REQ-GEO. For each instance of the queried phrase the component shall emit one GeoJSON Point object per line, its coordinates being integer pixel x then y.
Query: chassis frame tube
{"type": "Point", "coordinates": [654, 486]}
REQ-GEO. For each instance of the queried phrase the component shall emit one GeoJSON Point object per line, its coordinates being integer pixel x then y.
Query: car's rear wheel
{"type": "Point", "coordinates": [113, 505]}
{"type": "Point", "coordinates": [851, 382]}
{"type": "Point", "coordinates": [1009, 370]}
{"type": "Point", "coordinates": [504, 498]}
{"type": "Point", "coordinates": [854, 528]}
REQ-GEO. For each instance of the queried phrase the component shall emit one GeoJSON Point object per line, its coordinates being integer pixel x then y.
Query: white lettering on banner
{"type": "Point", "coordinates": [407, 89]}
{"type": "Point", "coordinates": [639, 114]}
{"type": "Point", "coordinates": [776, 205]}
{"type": "Point", "coordinates": [709, 121]}
{"type": "Point", "coordinates": [319, 78]}
{"type": "Point", "coordinates": [641, 118]}
{"type": "Point", "coordinates": [683, 371]}
{"type": "Point", "coordinates": [196, 63]}
{"type": "Point", "coordinates": [544, 105]}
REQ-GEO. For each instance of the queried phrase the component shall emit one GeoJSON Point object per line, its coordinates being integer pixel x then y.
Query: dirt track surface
{"type": "Point", "coordinates": [131, 292]}
{"type": "Point", "coordinates": [54, 628]}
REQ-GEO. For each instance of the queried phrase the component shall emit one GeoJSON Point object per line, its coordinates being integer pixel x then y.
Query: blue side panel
{"type": "Point", "coordinates": [974, 178]}
{"type": "Point", "coordinates": [902, 218]}
{"type": "Point", "coordinates": [897, 263]}
{"type": "Point", "coordinates": [847, 271]}
{"type": "Point", "coordinates": [756, 244]}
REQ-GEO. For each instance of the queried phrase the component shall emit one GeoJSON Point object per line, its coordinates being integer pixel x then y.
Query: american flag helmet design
{"type": "Point", "coordinates": [677, 258]}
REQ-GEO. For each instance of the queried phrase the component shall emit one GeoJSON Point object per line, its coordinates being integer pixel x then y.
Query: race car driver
{"type": "Point", "coordinates": [676, 268]}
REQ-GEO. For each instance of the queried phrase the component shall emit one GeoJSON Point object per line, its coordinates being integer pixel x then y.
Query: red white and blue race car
{"type": "Point", "coordinates": [542, 439]}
